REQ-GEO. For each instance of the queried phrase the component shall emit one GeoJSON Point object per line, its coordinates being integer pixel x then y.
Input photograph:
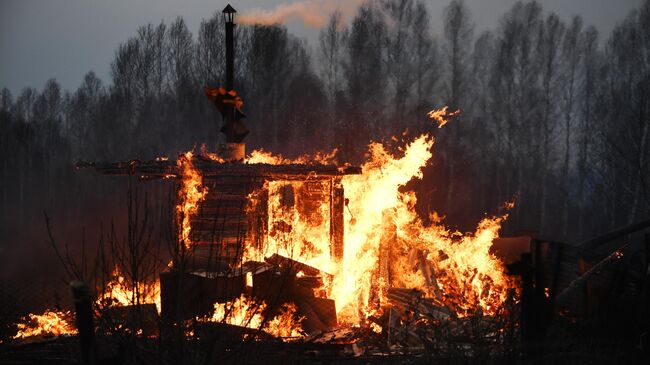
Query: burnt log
{"type": "Point", "coordinates": [319, 313]}
{"type": "Point", "coordinates": [411, 301]}
{"type": "Point", "coordinates": [187, 295]}
{"type": "Point", "coordinates": [287, 264]}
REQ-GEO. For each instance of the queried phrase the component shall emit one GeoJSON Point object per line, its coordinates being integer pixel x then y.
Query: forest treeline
{"type": "Point", "coordinates": [553, 113]}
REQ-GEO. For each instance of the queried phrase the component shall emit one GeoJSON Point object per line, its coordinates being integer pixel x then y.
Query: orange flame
{"type": "Point", "coordinates": [285, 324]}
{"type": "Point", "coordinates": [265, 157]}
{"type": "Point", "coordinates": [119, 292]}
{"type": "Point", "coordinates": [190, 194]}
{"type": "Point", "coordinates": [248, 313]}
{"type": "Point", "coordinates": [50, 323]}
{"type": "Point", "coordinates": [442, 116]}
{"type": "Point", "coordinates": [292, 232]}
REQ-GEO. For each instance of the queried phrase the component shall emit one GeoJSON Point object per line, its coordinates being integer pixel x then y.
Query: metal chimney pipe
{"type": "Point", "coordinates": [230, 49]}
{"type": "Point", "coordinates": [235, 131]}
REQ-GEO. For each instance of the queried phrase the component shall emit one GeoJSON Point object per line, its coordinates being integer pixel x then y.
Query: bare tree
{"type": "Point", "coordinates": [364, 67]}
{"type": "Point", "coordinates": [571, 54]}
{"type": "Point", "coordinates": [588, 70]}
{"type": "Point", "coordinates": [210, 59]}
{"type": "Point", "coordinates": [549, 48]}
{"type": "Point", "coordinates": [180, 55]}
{"type": "Point", "coordinates": [458, 37]}
{"type": "Point", "coordinates": [331, 40]}
{"type": "Point", "coordinates": [426, 60]}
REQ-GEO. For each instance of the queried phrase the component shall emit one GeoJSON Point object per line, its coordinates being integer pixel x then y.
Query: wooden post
{"type": "Point", "coordinates": [645, 290]}
{"type": "Point", "coordinates": [84, 320]}
{"type": "Point", "coordinates": [337, 220]}
{"type": "Point", "coordinates": [646, 242]}
{"type": "Point", "coordinates": [388, 241]}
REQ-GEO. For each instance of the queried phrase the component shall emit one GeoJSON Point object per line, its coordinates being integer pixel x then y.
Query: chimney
{"type": "Point", "coordinates": [233, 150]}
{"type": "Point", "coordinates": [229, 20]}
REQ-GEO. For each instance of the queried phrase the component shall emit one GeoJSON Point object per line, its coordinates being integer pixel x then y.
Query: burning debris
{"type": "Point", "coordinates": [49, 323]}
{"type": "Point", "coordinates": [247, 312]}
{"type": "Point", "coordinates": [117, 292]}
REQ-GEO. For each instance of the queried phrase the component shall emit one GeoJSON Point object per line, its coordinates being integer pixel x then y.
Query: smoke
{"type": "Point", "coordinates": [313, 13]}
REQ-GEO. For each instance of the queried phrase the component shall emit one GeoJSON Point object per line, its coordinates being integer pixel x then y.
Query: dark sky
{"type": "Point", "coordinates": [64, 39]}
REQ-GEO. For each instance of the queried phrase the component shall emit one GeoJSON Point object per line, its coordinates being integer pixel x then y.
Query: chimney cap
{"type": "Point", "coordinates": [229, 10]}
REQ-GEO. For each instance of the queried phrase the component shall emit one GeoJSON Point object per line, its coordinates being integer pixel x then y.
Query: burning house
{"type": "Point", "coordinates": [244, 222]}
{"type": "Point", "coordinates": [334, 242]}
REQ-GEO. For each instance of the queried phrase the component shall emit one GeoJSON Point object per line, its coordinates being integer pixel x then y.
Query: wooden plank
{"type": "Point", "coordinates": [158, 168]}
{"type": "Point", "coordinates": [286, 263]}
{"type": "Point", "coordinates": [232, 209]}
{"type": "Point", "coordinates": [218, 220]}
{"type": "Point", "coordinates": [337, 221]}
{"type": "Point", "coordinates": [210, 238]}
{"type": "Point", "coordinates": [319, 313]}
{"type": "Point", "coordinates": [235, 225]}
{"type": "Point", "coordinates": [219, 196]}
{"type": "Point", "coordinates": [185, 295]}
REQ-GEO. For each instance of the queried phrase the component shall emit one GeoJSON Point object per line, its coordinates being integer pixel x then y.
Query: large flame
{"type": "Point", "coordinates": [456, 269]}
{"type": "Point", "coordinates": [370, 195]}
{"type": "Point", "coordinates": [49, 323]}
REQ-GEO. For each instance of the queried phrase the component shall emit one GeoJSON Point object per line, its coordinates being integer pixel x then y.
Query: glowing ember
{"type": "Point", "coordinates": [120, 292]}
{"type": "Point", "coordinates": [442, 116]}
{"type": "Point", "coordinates": [50, 323]}
{"type": "Point", "coordinates": [190, 194]}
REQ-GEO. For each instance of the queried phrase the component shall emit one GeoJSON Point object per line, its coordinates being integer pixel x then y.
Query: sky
{"type": "Point", "coordinates": [64, 39]}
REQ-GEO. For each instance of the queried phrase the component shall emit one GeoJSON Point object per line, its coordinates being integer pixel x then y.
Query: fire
{"type": "Point", "coordinates": [51, 323]}
{"type": "Point", "coordinates": [370, 195]}
{"type": "Point", "coordinates": [470, 278]}
{"type": "Point", "coordinates": [442, 116]}
{"type": "Point", "coordinates": [465, 275]}
{"type": "Point", "coordinates": [456, 269]}
{"type": "Point", "coordinates": [386, 243]}
{"type": "Point", "coordinates": [265, 157]}
{"type": "Point", "coordinates": [245, 312]}
{"type": "Point", "coordinates": [119, 292]}
{"type": "Point", "coordinates": [295, 233]}
{"type": "Point", "coordinates": [285, 324]}
{"type": "Point", "coordinates": [190, 194]}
